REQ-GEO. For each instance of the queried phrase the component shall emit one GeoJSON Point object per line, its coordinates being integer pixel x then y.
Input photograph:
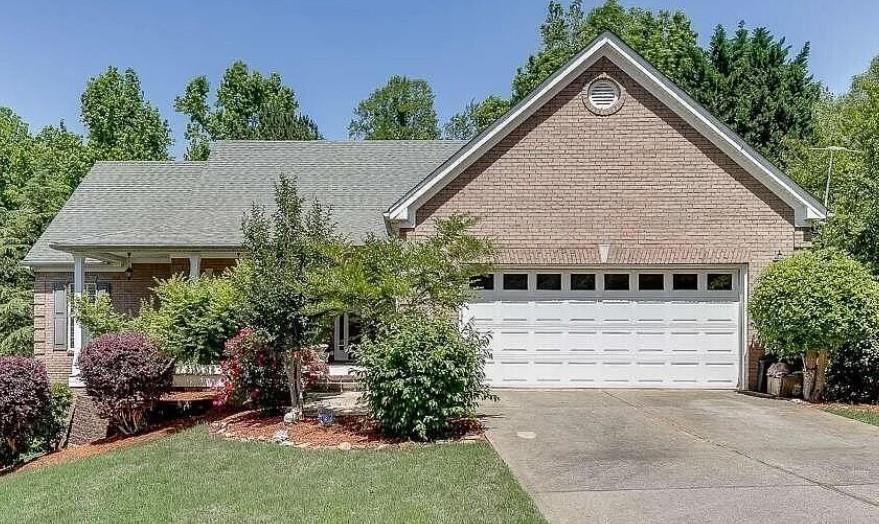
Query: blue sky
{"type": "Point", "coordinates": [333, 53]}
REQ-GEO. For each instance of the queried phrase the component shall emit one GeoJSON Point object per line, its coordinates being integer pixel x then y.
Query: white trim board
{"type": "Point", "coordinates": [607, 45]}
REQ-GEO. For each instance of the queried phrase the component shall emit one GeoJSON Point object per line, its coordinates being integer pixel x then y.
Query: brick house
{"type": "Point", "coordinates": [630, 225]}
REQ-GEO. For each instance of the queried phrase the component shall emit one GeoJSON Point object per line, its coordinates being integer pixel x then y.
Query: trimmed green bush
{"type": "Point", "coordinates": [810, 305]}
{"type": "Point", "coordinates": [189, 319]}
{"type": "Point", "coordinates": [194, 318]}
{"type": "Point", "coordinates": [52, 430]}
{"type": "Point", "coordinates": [421, 372]}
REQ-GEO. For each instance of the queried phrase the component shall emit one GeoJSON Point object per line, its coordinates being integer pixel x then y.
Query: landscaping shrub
{"type": "Point", "coordinates": [190, 319]}
{"type": "Point", "coordinates": [50, 433]}
{"type": "Point", "coordinates": [421, 372]}
{"type": "Point", "coordinates": [811, 305]}
{"type": "Point", "coordinates": [193, 318]}
{"type": "Point", "coordinates": [125, 373]}
{"type": "Point", "coordinates": [255, 374]}
{"type": "Point", "coordinates": [853, 374]}
{"type": "Point", "coordinates": [24, 403]}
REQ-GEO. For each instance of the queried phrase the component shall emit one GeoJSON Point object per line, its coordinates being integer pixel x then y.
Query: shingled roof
{"type": "Point", "coordinates": [199, 205]}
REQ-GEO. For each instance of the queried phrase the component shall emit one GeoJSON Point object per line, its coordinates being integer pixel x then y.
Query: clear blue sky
{"type": "Point", "coordinates": [333, 53]}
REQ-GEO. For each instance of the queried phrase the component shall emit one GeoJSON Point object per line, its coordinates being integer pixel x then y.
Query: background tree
{"type": "Point", "coordinates": [248, 106]}
{"type": "Point", "coordinates": [475, 117]}
{"type": "Point", "coordinates": [811, 305]}
{"type": "Point", "coordinates": [664, 38]}
{"type": "Point", "coordinates": [757, 89]}
{"type": "Point", "coordinates": [120, 123]}
{"type": "Point", "coordinates": [850, 120]}
{"type": "Point", "coordinates": [748, 80]}
{"type": "Point", "coordinates": [38, 174]}
{"type": "Point", "coordinates": [283, 250]}
{"type": "Point", "coordinates": [400, 110]}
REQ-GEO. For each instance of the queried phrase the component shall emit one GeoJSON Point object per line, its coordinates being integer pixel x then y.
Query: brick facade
{"type": "Point", "coordinates": [125, 294]}
{"type": "Point", "coordinates": [641, 181]}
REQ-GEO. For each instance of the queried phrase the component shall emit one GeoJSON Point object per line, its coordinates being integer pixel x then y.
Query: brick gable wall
{"type": "Point", "coordinates": [641, 181]}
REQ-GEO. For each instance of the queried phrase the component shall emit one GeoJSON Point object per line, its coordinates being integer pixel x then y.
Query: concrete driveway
{"type": "Point", "coordinates": [685, 456]}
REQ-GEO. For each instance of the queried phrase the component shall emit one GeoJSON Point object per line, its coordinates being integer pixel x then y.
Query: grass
{"type": "Point", "coordinates": [196, 477]}
{"type": "Point", "coordinates": [868, 416]}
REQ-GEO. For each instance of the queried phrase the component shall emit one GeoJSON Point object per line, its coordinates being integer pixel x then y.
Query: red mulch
{"type": "Point", "coordinates": [346, 432]}
{"type": "Point", "coordinates": [98, 447]}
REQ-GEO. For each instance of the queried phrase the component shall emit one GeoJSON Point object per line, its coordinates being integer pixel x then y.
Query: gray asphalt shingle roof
{"type": "Point", "coordinates": [200, 204]}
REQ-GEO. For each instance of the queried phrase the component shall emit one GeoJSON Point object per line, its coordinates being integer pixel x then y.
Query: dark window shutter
{"type": "Point", "coordinates": [59, 316]}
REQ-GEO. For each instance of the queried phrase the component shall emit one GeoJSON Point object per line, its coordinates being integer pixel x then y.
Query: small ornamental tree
{"type": "Point", "coordinates": [284, 248]}
{"type": "Point", "coordinates": [126, 374]}
{"type": "Point", "coordinates": [24, 404]}
{"type": "Point", "coordinates": [812, 304]}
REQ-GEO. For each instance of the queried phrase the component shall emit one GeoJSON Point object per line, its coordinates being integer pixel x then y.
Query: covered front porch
{"type": "Point", "coordinates": [127, 275]}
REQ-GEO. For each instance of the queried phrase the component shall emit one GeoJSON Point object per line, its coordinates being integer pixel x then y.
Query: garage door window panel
{"type": "Point", "coordinates": [651, 282]}
{"type": "Point", "coordinates": [720, 282]}
{"type": "Point", "coordinates": [583, 282]}
{"type": "Point", "coordinates": [685, 281]}
{"type": "Point", "coordinates": [616, 281]}
{"type": "Point", "coordinates": [515, 281]}
{"type": "Point", "coordinates": [549, 281]}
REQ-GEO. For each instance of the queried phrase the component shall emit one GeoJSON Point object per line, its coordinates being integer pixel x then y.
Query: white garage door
{"type": "Point", "coordinates": [614, 328]}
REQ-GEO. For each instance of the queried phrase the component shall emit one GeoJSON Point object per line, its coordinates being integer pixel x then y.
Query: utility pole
{"type": "Point", "coordinates": [832, 150]}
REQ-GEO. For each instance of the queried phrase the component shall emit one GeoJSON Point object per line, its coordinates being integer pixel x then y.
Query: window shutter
{"type": "Point", "coordinates": [59, 317]}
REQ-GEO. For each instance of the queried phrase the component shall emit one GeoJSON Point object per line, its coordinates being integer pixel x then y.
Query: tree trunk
{"type": "Point", "coordinates": [810, 364]}
{"type": "Point", "coordinates": [820, 376]}
{"type": "Point", "coordinates": [294, 382]}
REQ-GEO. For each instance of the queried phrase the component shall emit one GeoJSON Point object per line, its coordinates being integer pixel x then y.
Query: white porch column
{"type": "Point", "coordinates": [194, 266]}
{"type": "Point", "coordinates": [78, 288]}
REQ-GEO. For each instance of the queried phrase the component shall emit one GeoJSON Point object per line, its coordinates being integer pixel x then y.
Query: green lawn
{"type": "Point", "coordinates": [195, 477]}
{"type": "Point", "coordinates": [864, 415]}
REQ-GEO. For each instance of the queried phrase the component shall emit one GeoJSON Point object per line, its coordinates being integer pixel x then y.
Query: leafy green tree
{"type": "Point", "coordinates": [120, 123]}
{"type": "Point", "coordinates": [664, 38]}
{"type": "Point", "coordinates": [812, 304]}
{"type": "Point", "coordinates": [284, 249]}
{"type": "Point", "coordinates": [849, 121]}
{"type": "Point", "coordinates": [475, 117]}
{"type": "Point", "coordinates": [748, 80]}
{"type": "Point", "coordinates": [757, 89]}
{"type": "Point", "coordinates": [248, 106]}
{"type": "Point", "coordinates": [38, 173]}
{"type": "Point", "coordinates": [387, 277]}
{"type": "Point", "coordinates": [400, 110]}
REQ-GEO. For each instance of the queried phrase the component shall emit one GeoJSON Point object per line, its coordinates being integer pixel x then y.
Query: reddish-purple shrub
{"type": "Point", "coordinates": [24, 404]}
{"type": "Point", "coordinates": [253, 373]}
{"type": "Point", "coordinates": [125, 373]}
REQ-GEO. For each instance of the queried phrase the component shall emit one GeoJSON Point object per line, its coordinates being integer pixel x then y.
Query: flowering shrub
{"type": "Point", "coordinates": [125, 373]}
{"type": "Point", "coordinates": [254, 373]}
{"type": "Point", "coordinates": [24, 403]}
{"type": "Point", "coordinates": [421, 372]}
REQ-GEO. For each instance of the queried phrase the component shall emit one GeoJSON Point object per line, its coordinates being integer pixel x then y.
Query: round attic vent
{"type": "Point", "coordinates": [603, 94]}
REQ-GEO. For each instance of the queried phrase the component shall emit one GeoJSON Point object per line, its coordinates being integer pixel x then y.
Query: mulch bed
{"type": "Point", "coordinates": [74, 452]}
{"type": "Point", "coordinates": [345, 433]}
